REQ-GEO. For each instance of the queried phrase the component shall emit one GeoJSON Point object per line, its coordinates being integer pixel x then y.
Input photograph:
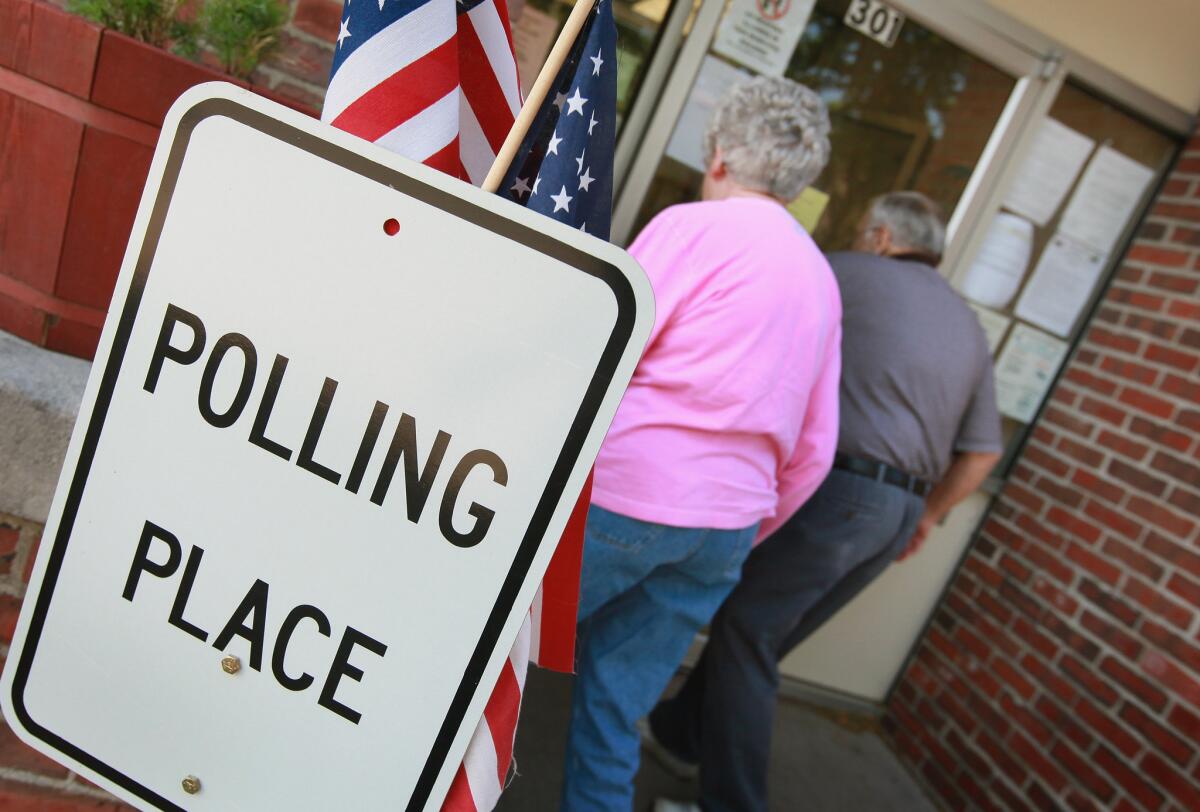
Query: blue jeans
{"type": "Point", "coordinates": [647, 589]}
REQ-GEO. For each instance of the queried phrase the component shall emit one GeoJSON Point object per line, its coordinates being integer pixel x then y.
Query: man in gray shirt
{"type": "Point", "coordinates": [919, 432]}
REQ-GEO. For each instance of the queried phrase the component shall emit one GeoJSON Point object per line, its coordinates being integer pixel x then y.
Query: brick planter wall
{"type": "Point", "coordinates": [299, 70]}
{"type": "Point", "coordinates": [1062, 670]}
{"type": "Point", "coordinates": [80, 113]}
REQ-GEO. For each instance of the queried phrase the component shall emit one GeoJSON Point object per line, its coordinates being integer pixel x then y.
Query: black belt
{"type": "Point", "coordinates": [881, 472]}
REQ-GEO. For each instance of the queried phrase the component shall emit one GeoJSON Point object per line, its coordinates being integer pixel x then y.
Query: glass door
{"type": "Point", "coordinates": [996, 123]}
{"type": "Point", "coordinates": [536, 23]}
{"type": "Point", "coordinates": [1054, 228]}
{"type": "Point", "coordinates": [930, 111]}
{"type": "Point", "coordinates": [916, 114]}
{"type": "Point", "coordinates": [1059, 229]}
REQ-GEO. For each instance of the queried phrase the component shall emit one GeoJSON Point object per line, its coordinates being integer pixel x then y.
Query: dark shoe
{"type": "Point", "coordinates": [671, 762]}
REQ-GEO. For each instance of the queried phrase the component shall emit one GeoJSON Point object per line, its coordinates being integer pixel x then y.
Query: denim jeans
{"type": "Point", "coordinates": [647, 589]}
{"type": "Point", "coordinates": [830, 550]}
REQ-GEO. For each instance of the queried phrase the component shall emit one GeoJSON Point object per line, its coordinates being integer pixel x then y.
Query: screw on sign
{"type": "Point", "coordinates": [342, 489]}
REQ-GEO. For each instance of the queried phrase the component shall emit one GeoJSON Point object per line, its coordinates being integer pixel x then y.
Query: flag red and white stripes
{"type": "Point", "coordinates": [434, 81]}
{"type": "Point", "coordinates": [547, 639]}
{"type": "Point", "coordinates": [482, 775]}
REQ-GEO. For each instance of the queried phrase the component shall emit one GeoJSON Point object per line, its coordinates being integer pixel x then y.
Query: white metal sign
{"type": "Point", "coordinates": [340, 413]}
{"type": "Point", "coordinates": [877, 20]}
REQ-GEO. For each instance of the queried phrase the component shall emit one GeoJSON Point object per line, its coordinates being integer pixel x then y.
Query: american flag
{"type": "Point", "coordinates": [565, 167]}
{"type": "Point", "coordinates": [436, 81]}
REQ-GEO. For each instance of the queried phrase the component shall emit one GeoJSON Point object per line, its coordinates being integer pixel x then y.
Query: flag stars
{"type": "Point", "coordinates": [554, 142]}
{"type": "Point", "coordinates": [579, 161]}
{"type": "Point", "coordinates": [592, 124]}
{"type": "Point", "coordinates": [536, 183]}
{"type": "Point", "coordinates": [521, 187]}
{"type": "Point", "coordinates": [559, 100]}
{"type": "Point", "coordinates": [562, 200]}
{"type": "Point", "coordinates": [585, 180]}
{"type": "Point", "coordinates": [575, 103]}
{"type": "Point", "coordinates": [596, 62]}
{"type": "Point", "coordinates": [344, 32]}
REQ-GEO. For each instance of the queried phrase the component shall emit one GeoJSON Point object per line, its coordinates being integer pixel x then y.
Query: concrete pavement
{"type": "Point", "coordinates": [821, 760]}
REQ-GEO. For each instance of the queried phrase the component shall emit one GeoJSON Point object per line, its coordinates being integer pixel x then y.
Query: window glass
{"type": "Point", "coordinates": [536, 24]}
{"type": "Point", "coordinates": [1109, 126]}
{"type": "Point", "coordinates": [913, 116]}
{"type": "Point", "coordinates": [1067, 258]}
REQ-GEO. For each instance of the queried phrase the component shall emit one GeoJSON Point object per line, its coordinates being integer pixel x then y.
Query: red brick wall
{"type": "Point", "coordinates": [299, 70]}
{"type": "Point", "coordinates": [30, 782]}
{"type": "Point", "coordinates": [1062, 669]}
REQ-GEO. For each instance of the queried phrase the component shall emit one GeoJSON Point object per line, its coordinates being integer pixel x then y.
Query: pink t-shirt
{"type": "Point", "coordinates": [731, 417]}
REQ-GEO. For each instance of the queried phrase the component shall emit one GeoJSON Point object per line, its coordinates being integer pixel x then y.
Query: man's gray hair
{"type": "Point", "coordinates": [914, 221]}
{"type": "Point", "coordinates": [773, 134]}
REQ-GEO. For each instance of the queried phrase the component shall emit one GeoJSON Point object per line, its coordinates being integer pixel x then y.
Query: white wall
{"type": "Point", "coordinates": [1152, 43]}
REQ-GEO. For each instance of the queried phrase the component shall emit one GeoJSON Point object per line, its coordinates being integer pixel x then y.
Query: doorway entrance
{"type": "Point", "coordinates": [947, 99]}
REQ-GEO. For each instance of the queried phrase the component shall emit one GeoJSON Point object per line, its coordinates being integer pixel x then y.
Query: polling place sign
{"type": "Point", "coordinates": [341, 410]}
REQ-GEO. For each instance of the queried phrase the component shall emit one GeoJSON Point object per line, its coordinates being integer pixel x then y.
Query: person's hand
{"type": "Point", "coordinates": [918, 537]}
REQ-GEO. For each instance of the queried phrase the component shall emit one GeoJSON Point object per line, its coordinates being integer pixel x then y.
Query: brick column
{"type": "Point", "coordinates": [1062, 670]}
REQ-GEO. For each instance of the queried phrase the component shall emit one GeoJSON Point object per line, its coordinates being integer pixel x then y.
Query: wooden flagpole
{"type": "Point", "coordinates": [537, 93]}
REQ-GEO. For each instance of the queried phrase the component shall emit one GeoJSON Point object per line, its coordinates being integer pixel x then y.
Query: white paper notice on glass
{"type": "Point", "coordinates": [996, 274]}
{"type": "Point", "coordinates": [762, 34]}
{"type": "Point", "coordinates": [1046, 174]}
{"type": "Point", "coordinates": [1061, 285]}
{"type": "Point", "coordinates": [715, 77]}
{"type": "Point", "coordinates": [1025, 370]}
{"type": "Point", "coordinates": [995, 325]}
{"type": "Point", "coordinates": [533, 36]}
{"type": "Point", "coordinates": [1105, 199]}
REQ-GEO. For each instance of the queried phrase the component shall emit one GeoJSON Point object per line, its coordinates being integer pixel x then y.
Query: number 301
{"type": "Point", "coordinates": [877, 20]}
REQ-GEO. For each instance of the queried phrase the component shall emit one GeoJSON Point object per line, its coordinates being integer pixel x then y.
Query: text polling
{"type": "Point", "coordinates": [183, 342]}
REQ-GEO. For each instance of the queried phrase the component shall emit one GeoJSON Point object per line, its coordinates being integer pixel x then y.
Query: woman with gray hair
{"type": "Point", "coordinates": [728, 425]}
{"type": "Point", "coordinates": [770, 137]}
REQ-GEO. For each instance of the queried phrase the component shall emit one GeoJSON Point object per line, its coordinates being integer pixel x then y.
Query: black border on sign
{"type": "Point", "coordinates": [550, 498]}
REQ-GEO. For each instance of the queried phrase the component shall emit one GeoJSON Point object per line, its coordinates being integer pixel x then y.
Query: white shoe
{"type": "Point", "coordinates": [664, 805]}
{"type": "Point", "coordinates": [673, 764]}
